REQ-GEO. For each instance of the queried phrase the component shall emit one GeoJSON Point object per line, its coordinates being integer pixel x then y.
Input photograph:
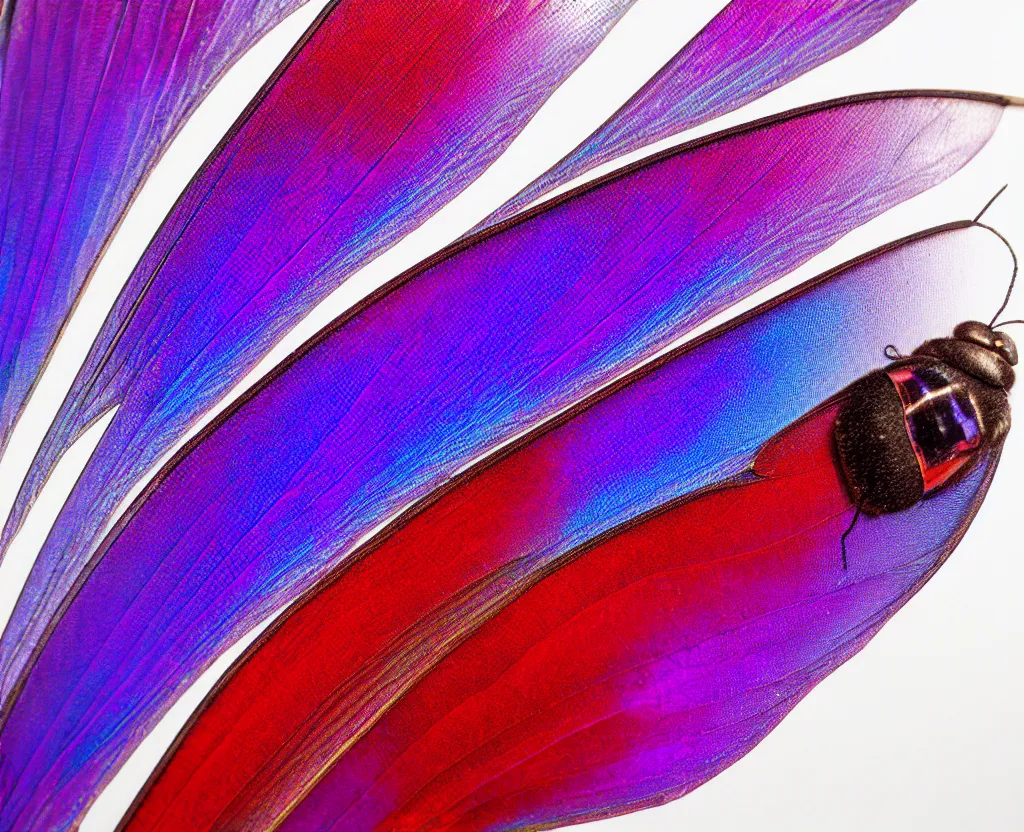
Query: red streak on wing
{"type": "Point", "coordinates": [321, 679]}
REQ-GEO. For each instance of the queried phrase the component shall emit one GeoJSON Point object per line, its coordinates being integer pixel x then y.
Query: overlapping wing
{"type": "Point", "coordinates": [746, 51]}
{"type": "Point", "coordinates": [694, 419]}
{"type": "Point", "coordinates": [91, 93]}
{"type": "Point", "coordinates": [383, 114]}
{"type": "Point", "coordinates": [645, 666]}
{"type": "Point", "coordinates": [504, 329]}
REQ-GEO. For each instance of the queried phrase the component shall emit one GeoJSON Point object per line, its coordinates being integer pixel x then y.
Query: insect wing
{"type": "Point", "coordinates": [91, 94]}
{"type": "Point", "coordinates": [691, 431]}
{"type": "Point", "coordinates": [480, 343]}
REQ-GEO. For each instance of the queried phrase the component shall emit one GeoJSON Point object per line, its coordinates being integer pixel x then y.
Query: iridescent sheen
{"type": "Point", "coordinates": [511, 326]}
{"type": "Point", "coordinates": [325, 673]}
{"type": "Point", "coordinates": [143, 625]}
{"type": "Point", "coordinates": [644, 667]}
{"type": "Point", "coordinates": [311, 187]}
{"type": "Point", "coordinates": [91, 93]}
{"type": "Point", "coordinates": [749, 49]}
{"type": "Point", "coordinates": [941, 421]}
{"type": "Point", "coordinates": [385, 111]}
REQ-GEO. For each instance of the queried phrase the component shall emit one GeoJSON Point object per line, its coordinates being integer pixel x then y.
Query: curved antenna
{"type": "Point", "coordinates": [1013, 277]}
{"type": "Point", "coordinates": [1006, 323]}
{"type": "Point", "coordinates": [988, 204]}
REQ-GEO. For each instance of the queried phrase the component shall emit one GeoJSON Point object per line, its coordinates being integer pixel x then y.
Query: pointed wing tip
{"type": "Point", "coordinates": [971, 95]}
{"type": "Point", "coordinates": [996, 97]}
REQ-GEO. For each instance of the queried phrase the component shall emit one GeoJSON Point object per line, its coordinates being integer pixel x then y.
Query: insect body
{"type": "Point", "coordinates": [635, 594]}
{"type": "Point", "coordinates": [911, 428]}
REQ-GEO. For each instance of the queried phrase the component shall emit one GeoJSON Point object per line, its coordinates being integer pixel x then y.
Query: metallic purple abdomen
{"type": "Point", "coordinates": [941, 420]}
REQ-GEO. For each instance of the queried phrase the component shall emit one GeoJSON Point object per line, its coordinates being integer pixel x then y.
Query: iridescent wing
{"type": "Point", "coordinates": [409, 106]}
{"type": "Point", "coordinates": [645, 666]}
{"type": "Point", "coordinates": [691, 421]}
{"type": "Point", "coordinates": [501, 330]}
{"type": "Point", "coordinates": [201, 352]}
{"type": "Point", "coordinates": [379, 116]}
{"type": "Point", "coordinates": [610, 613]}
{"type": "Point", "coordinates": [748, 50]}
{"type": "Point", "coordinates": [91, 94]}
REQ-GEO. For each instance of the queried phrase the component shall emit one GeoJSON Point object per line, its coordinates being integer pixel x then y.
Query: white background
{"type": "Point", "coordinates": [924, 729]}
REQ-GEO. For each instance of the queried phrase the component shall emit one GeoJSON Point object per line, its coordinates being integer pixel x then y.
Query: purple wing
{"type": "Point", "coordinates": [746, 51]}
{"type": "Point", "coordinates": [384, 112]}
{"type": "Point", "coordinates": [458, 355]}
{"type": "Point", "coordinates": [645, 666]}
{"type": "Point", "coordinates": [245, 522]}
{"type": "Point", "coordinates": [366, 165]}
{"type": "Point", "coordinates": [690, 421]}
{"type": "Point", "coordinates": [91, 93]}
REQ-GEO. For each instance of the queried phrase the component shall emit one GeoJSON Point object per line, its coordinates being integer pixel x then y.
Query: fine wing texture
{"type": "Point", "coordinates": [501, 330]}
{"type": "Point", "coordinates": [746, 51]}
{"type": "Point", "coordinates": [421, 103]}
{"type": "Point", "coordinates": [326, 672]}
{"type": "Point", "coordinates": [385, 111]}
{"type": "Point", "coordinates": [91, 93]}
{"type": "Point", "coordinates": [380, 116]}
{"type": "Point", "coordinates": [646, 665]}
{"type": "Point", "coordinates": [136, 631]}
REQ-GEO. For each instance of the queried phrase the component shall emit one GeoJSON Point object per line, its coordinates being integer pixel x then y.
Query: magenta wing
{"type": "Point", "coordinates": [383, 112]}
{"type": "Point", "coordinates": [747, 518]}
{"type": "Point", "coordinates": [171, 579]}
{"type": "Point", "coordinates": [749, 49]}
{"type": "Point", "coordinates": [410, 106]}
{"type": "Point", "coordinates": [645, 666]}
{"type": "Point", "coordinates": [500, 331]}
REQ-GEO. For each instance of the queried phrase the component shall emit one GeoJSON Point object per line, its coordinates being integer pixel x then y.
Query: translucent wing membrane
{"type": "Point", "coordinates": [384, 112]}
{"type": "Point", "coordinates": [451, 673]}
{"type": "Point", "coordinates": [643, 668]}
{"type": "Point", "coordinates": [499, 331]}
{"type": "Point", "coordinates": [692, 421]}
{"type": "Point", "coordinates": [746, 51]}
{"type": "Point", "coordinates": [329, 671]}
{"type": "Point", "coordinates": [409, 106]}
{"type": "Point", "coordinates": [91, 92]}
{"type": "Point", "coordinates": [630, 677]}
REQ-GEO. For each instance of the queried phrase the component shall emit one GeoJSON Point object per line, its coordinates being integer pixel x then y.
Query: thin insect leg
{"type": "Point", "coordinates": [846, 534]}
